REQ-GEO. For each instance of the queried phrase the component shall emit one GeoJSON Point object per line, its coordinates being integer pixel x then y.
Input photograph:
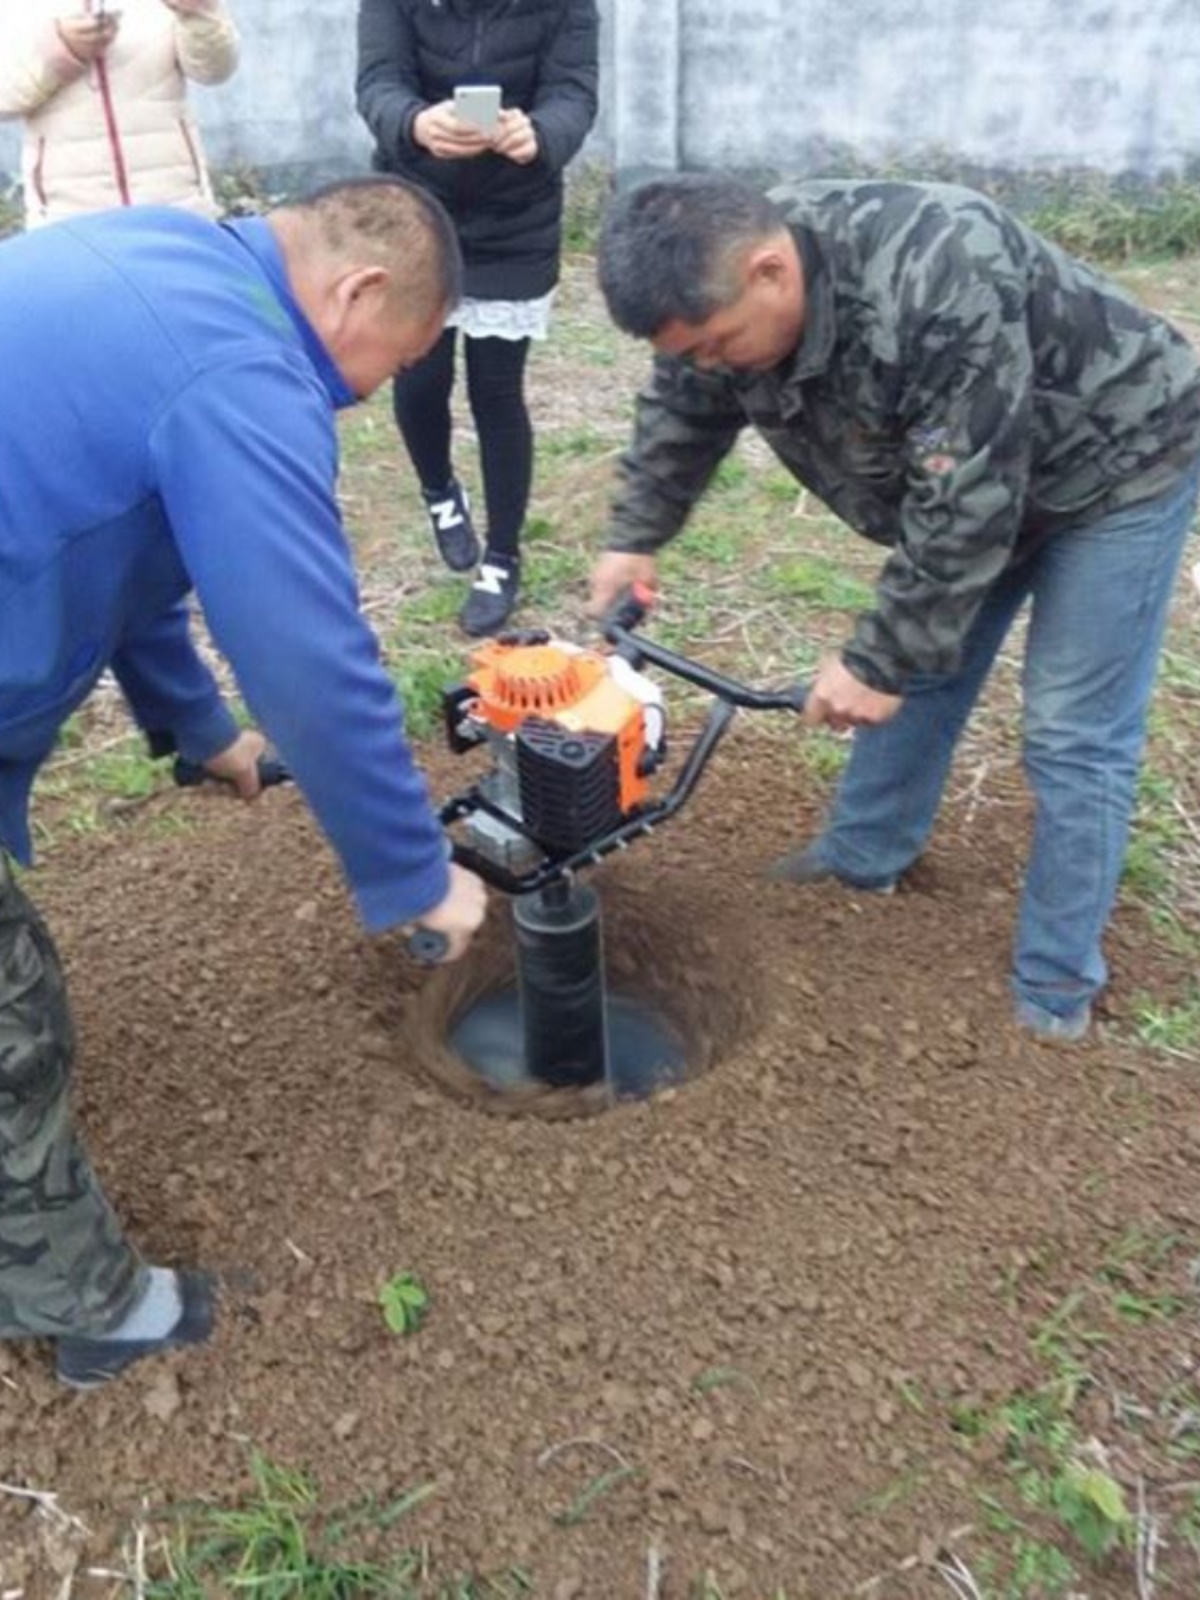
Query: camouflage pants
{"type": "Point", "coordinates": [65, 1265]}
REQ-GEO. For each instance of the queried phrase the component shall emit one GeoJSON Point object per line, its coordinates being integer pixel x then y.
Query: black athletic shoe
{"type": "Point", "coordinates": [492, 597]}
{"type": "Point", "coordinates": [450, 518]}
{"type": "Point", "coordinates": [84, 1363]}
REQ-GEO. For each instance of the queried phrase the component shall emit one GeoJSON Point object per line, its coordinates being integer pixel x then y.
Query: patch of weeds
{"type": "Point", "coordinates": [365, 435]}
{"type": "Point", "coordinates": [910, 1393]}
{"type": "Point", "coordinates": [1180, 672]}
{"type": "Point", "coordinates": [126, 772]}
{"type": "Point", "coordinates": [404, 1301]}
{"type": "Point", "coordinates": [419, 682]}
{"type": "Point", "coordinates": [70, 735]}
{"type": "Point", "coordinates": [892, 1493]}
{"type": "Point", "coordinates": [538, 530]}
{"type": "Point", "coordinates": [708, 541]}
{"type": "Point", "coordinates": [280, 1545]}
{"type": "Point", "coordinates": [968, 1421]}
{"type": "Point", "coordinates": [168, 824]}
{"type": "Point", "coordinates": [82, 787]}
{"type": "Point", "coordinates": [1173, 1028]}
{"type": "Point", "coordinates": [1137, 1249]}
{"type": "Point", "coordinates": [242, 192]}
{"type": "Point", "coordinates": [11, 210]}
{"type": "Point", "coordinates": [589, 186]}
{"type": "Point", "coordinates": [1188, 1522]}
{"type": "Point", "coordinates": [595, 1490]}
{"type": "Point", "coordinates": [1147, 1308]}
{"type": "Point", "coordinates": [547, 579]}
{"type": "Point", "coordinates": [1059, 1337]}
{"type": "Point", "coordinates": [1156, 831]}
{"type": "Point", "coordinates": [1175, 934]}
{"type": "Point", "coordinates": [824, 754]}
{"type": "Point", "coordinates": [1105, 223]}
{"type": "Point", "coordinates": [1033, 1566]}
{"type": "Point", "coordinates": [733, 473]}
{"type": "Point", "coordinates": [723, 1378]}
{"type": "Point", "coordinates": [1091, 1503]}
{"type": "Point", "coordinates": [432, 608]}
{"type": "Point", "coordinates": [1180, 1411]}
{"type": "Point", "coordinates": [274, 1544]}
{"type": "Point", "coordinates": [576, 444]}
{"type": "Point", "coordinates": [679, 632]}
{"type": "Point", "coordinates": [780, 486]}
{"type": "Point", "coordinates": [822, 583]}
{"type": "Point", "coordinates": [1065, 1505]}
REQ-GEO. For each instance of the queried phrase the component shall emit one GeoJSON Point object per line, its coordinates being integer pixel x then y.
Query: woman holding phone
{"type": "Point", "coordinates": [525, 77]}
{"type": "Point", "coordinates": [103, 94]}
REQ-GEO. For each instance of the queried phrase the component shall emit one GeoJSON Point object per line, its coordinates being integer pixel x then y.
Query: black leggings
{"type": "Point", "coordinates": [495, 389]}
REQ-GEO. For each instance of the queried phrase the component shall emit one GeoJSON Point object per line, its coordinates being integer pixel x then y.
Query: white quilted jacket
{"type": "Point", "coordinates": [116, 132]}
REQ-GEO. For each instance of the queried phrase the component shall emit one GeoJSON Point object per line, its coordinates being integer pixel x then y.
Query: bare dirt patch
{"type": "Point", "coordinates": [765, 1293]}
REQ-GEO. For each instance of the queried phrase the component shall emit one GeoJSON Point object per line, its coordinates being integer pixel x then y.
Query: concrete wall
{"type": "Point", "coordinates": [1016, 84]}
{"type": "Point", "coordinates": [791, 85]}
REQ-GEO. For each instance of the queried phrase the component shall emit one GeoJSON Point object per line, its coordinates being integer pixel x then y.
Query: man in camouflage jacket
{"type": "Point", "coordinates": [1007, 422]}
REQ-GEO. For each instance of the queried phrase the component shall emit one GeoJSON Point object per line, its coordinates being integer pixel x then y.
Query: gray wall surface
{"type": "Point", "coordinates": [789, 85]}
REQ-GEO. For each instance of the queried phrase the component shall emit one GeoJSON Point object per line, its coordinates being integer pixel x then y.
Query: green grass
{"type": "Point", "coordinates": [824, 754]}
{"type": "Point", "coordinates": [1150, 862]}
{"type": "Point", "coordinates": [588, 188]}
{"type": "Point", "coordinates": [1174, 1028]}
{"type": "Point", "coordinates": [577, 444]}
{"type": "Point", "coordinates": [1104, 223]}
{"type": "Point", "coordinates": [821, 583]}
{"type": "Point", "coordinates": [420, 681]}
{"type": "Point", "coordinates": [10, 214]}
{"type": "Point", "coordinates": [1062, 1507]}
{"type": "Point", "coordinates": [278, 1544]}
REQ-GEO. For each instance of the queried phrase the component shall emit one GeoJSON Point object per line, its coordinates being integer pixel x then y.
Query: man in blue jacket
{"type": "Point", "coordinates": [168, 390]}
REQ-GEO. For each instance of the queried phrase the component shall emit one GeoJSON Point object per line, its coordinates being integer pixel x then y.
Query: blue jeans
{"type": "Point", "coordinates": [1101, 593]}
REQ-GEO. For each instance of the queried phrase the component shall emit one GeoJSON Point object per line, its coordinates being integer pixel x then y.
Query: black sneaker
{"type": "Point", "coordinates": [84, 1363]}
{"type": "Point", "coordinates": [450, 518]}
{"type": "Point", "coordinates": [492, 597]}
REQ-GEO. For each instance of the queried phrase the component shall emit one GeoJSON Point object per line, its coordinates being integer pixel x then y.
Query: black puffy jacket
{"type": "Point", "coordinates": [543, 54]}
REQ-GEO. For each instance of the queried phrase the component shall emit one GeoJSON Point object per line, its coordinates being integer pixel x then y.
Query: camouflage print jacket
{"type": "Point", "coordinates": [962, 390]}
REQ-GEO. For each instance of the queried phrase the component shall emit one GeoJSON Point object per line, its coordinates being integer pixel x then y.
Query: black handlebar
{"type": "Point", "coordinates": [190, 774]}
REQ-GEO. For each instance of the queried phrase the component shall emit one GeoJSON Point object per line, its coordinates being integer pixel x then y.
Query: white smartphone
{"type": "Point", "coordinates": [478, 104]}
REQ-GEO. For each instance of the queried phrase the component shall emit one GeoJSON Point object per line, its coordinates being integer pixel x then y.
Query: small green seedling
{"type": "Point", "coordinates": [404, 1302]}
{"type": "Point", "coordinates": [1092, 1505]}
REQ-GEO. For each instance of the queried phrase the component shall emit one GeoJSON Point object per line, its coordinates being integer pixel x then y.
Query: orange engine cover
{"type": "Point", "coordinates": [566, 685]}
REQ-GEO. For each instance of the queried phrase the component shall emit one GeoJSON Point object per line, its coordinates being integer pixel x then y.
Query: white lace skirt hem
{"type": "Point", "coordinates": [503, 319]}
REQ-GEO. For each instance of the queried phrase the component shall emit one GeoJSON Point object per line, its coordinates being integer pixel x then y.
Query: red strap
{"type": "Point", "coordinates": [114, 133]}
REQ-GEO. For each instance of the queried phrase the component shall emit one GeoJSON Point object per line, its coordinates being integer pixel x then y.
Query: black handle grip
{"type": "Point", "coordinates": [188, 774]}
{"type": "Point", "coordinates": [428, 947]}
{"type": "Point", "coordinates": [629, 610]}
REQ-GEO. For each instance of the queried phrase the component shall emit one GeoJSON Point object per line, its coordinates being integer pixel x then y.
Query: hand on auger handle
{"type": "Point", "coordinates": [190, 774]}
{"type": "Point", "coordinates": [426, 946]}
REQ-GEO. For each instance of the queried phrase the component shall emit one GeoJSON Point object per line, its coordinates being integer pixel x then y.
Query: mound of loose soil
{"type": "Point", "coordinates": [731, 1288]}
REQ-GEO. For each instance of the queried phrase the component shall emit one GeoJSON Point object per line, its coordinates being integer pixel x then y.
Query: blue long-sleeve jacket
{"type": "Point", "coordinates": [167, 424]}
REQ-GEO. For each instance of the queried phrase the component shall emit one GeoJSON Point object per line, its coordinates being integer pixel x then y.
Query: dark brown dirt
{"type": "Point", "coordinates": [764, 1291]}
